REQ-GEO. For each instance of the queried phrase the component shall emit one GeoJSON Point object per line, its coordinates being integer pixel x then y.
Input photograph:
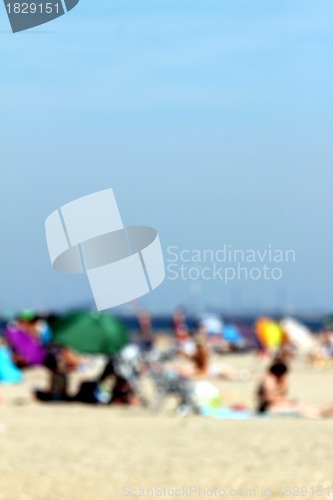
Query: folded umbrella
{"type": "Point", "coordinates": [300, 336]}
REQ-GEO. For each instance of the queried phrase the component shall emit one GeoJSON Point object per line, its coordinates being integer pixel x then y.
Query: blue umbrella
{"type": "Point", "coordinates": [232, 334]}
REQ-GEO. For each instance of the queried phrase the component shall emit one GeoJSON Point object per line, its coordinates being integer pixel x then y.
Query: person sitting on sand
{"type": "Point", "coordinates": [60, 362]}
{"type": "Point", "coordinates": [273, 397]}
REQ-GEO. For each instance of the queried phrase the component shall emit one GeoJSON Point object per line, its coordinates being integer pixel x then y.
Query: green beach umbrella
{"type": "Point", "coordinates": [90, 332]}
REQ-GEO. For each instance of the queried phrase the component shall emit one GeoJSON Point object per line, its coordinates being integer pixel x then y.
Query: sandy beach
{"type": "Point", "coordinates": [166, 201]}
{"type": "Point", "coordinates": [51, 452]}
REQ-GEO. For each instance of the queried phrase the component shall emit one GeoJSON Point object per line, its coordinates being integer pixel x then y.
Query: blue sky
{"type": "Point", "coordinates": [211, 120]}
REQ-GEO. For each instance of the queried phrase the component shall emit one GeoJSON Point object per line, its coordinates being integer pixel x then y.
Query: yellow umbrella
{"type": "Point", "coordinates": [268, 332]}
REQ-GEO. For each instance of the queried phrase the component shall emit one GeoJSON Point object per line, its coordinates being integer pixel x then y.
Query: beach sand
{"type": "Point", "coordinates": [53, 452]}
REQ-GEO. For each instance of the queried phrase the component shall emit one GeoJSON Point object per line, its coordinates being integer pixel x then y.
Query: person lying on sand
{"type": "Point", "coordinates": [201, 367]}
{"type": "Point", "coordinates": [328, 411]}
{"type": "Point", "coordinates": [273, 396]}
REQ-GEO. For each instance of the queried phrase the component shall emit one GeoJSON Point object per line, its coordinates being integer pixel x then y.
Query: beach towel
{"type": "Point", "coordinates": [226, 413]}
{"type": "Point", "coordinates": [9, 373]}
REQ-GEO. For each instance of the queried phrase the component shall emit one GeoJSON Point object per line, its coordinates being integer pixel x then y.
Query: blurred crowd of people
{"type": "Point", "coordinates": [185, 368]}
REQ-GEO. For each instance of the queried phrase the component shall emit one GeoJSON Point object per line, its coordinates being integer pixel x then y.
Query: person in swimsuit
{"type": "Point", "coordinates": [202, 368]}
{"type": "Point", "coordinates": [272, 394]}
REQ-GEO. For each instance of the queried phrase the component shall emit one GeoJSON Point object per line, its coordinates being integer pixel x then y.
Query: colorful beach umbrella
{"type": "Point", "coordinates": [28, 347]}
{"type": "Point", "coordinates": [90, 332]}
{"type": "Point", "coordinates": [232, 334]}
{"type": "Point", "coordinates": [268, 332]}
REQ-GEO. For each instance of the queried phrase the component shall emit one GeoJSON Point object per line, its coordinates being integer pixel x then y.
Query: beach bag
{"type": "Point", "coordinates": [92, 393]}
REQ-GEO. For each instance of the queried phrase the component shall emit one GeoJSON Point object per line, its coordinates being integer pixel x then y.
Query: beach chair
{"type": "Point", "coordinates": [166, 383]}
